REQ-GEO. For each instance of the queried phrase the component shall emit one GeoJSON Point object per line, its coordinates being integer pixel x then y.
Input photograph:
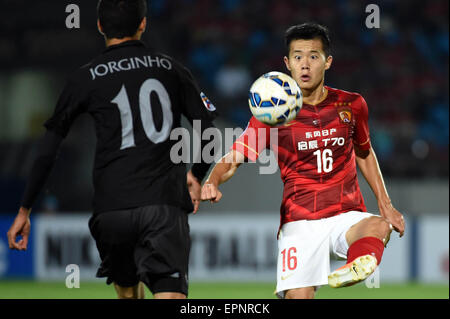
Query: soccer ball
{"type": "Point", "coordinates": [275, 98]}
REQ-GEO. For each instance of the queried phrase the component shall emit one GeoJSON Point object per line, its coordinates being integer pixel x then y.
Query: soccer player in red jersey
{"type": "Point", "coordinates": [322, 213]}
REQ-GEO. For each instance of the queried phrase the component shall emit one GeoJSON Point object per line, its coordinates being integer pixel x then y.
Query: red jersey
{"type": "Point", "coordinates": [316, 156]}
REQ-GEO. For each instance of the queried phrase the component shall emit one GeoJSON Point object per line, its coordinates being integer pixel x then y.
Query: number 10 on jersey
{"type": "Point", "coordinates": [145, 108]}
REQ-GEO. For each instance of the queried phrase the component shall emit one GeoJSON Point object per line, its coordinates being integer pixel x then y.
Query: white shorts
{"type": "Point", "coordinates": [305, 248]}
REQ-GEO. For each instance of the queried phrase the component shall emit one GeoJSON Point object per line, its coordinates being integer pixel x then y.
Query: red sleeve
{"type": "Point", "coordinates": [253, 140]}
{"type": "Point", "coordinates": [361, 138]}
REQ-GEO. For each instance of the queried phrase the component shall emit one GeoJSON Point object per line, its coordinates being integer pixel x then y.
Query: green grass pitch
{"type": "Point", "coordinates": [21, 289]}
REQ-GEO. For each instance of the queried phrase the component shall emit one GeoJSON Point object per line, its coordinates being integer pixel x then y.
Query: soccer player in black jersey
{"type": "Point", "coordinates": [136, 96]}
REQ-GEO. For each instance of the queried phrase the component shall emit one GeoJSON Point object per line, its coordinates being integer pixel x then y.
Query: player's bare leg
{"type": "Point", "coordinates": [135, 292]}
{"type": "Point", "coordinates": [366, 241]}
{"type": "Point", "coordinates": [300, 293]}
{"type": "Point", "coordinates": [169, 295]}
{"type": "Point", "coordinates": [374, 226]}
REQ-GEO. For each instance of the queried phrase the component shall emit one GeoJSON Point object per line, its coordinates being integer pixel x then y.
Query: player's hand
{"type": "Point", "coordinates": [211, 192]}
{"type": "Point", "coordinates": [393, 216]}
{"type": "Point", "coordinates": [195, 189]}
{"type": "Point", "coordinates": [20, 227]}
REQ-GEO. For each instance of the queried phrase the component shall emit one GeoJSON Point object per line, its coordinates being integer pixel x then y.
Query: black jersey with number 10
{"type": "Point", "coordinates": [136, 97]}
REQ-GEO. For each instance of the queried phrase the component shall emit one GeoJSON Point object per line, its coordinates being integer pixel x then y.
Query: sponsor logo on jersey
{"type": "Point", "coordinates": [322, 133]}
{"type": "Point", "coordinates": [209, 106]}
{"type": "Point", "coordinates": [290, 123]}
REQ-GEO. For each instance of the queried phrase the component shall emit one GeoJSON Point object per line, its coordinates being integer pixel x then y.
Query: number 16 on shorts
{"type": "Point", "coordinates": [288, 261]}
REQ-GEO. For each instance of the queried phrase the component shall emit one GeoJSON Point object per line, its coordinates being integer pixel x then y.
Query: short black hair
{"type": "Point", "coordinates": [308, 31]}
{"type": "Point", "coordinates": [121, 18]}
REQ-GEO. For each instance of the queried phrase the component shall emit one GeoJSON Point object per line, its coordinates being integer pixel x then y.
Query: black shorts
{"type": "Point", "coordinates": [149, 244]}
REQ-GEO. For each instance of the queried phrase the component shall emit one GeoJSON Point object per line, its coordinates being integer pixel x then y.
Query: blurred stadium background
{"type": "Point", "coordinates": [401, 69]}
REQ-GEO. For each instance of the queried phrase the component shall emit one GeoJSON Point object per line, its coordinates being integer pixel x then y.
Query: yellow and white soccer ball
{"type": "Point", "coordinates": [275, 98]}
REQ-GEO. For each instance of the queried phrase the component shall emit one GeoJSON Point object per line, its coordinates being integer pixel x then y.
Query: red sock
{"type": "Point", "coordinates": [366, 246]}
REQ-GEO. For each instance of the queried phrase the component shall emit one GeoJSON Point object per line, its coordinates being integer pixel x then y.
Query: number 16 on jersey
{"type": "Point", "coordinates": [324, 160]}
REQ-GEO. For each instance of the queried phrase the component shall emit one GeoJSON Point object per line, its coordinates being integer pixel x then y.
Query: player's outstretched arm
{"type": "Point", "coordinates": [221, 172]}
{"type": "Point", "coordinates": [368, 164]}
